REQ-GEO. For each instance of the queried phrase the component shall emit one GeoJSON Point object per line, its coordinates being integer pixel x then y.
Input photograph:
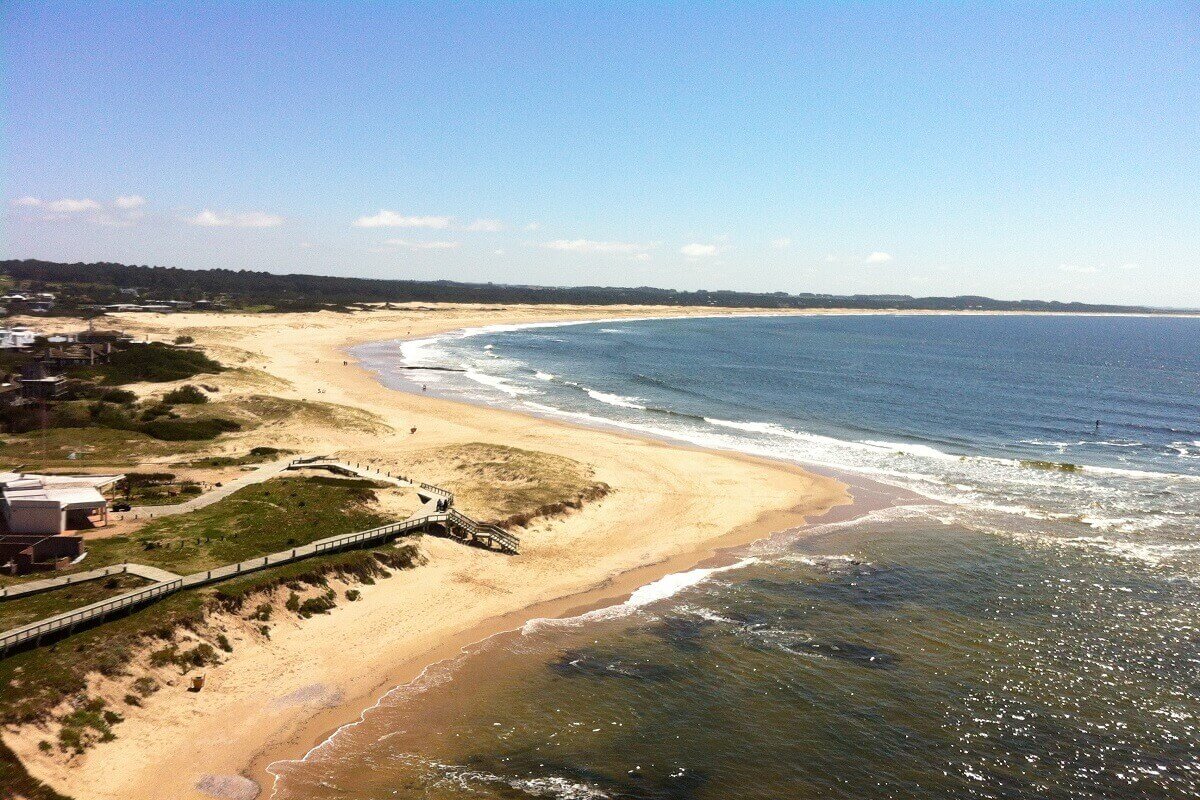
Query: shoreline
{"type": "Point", "coordinates": [156, 751]}
{"type": "Point", "coordinates": [613, 592]}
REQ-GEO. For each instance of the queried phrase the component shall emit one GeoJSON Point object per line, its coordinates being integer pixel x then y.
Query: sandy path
{"type": "Point", "coordinates": [670, 508]}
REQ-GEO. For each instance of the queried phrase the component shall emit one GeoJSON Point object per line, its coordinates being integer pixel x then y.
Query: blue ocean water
{"type": "Point", "coordinates": [1029, 627]}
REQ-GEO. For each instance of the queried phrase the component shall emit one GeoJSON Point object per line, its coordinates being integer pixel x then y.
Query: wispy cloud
{"type": "Point", "coordinates": [65, 205]}
{"type": "Point", "coordinates": [130, 201]}
{"type": "Point", "coordinates": [1077, 269]}
{"type": "Point", "coordinates": [592, 246]}
{"type": "Point", "coordinates": [782, 243]}
{"type": "Point", "coordinates": [247, 219]}
{"type": "Point", "coordinates": [406, 244]}
{"type": "Point", "coordinates": [533, 226]}
{"type": "Point", "coordinates": [391, 219]}
{"type": "Point", "coordinates": [486, 225]}
{"type": "Point", "coordinates": [878, 258]}
{"type": "Point", "coordinates": [697, 250]}
{"type": "Point", "coordinates": [123, 211]}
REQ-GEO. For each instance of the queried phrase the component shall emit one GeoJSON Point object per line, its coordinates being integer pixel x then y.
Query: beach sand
{"type": "Point", "coordinates": [670, 508]}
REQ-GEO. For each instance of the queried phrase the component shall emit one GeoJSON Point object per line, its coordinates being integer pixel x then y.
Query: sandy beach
{"type": "Point", "coordinates": [670, 508]}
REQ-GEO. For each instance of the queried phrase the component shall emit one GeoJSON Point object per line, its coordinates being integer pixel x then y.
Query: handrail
{"type": "Point", "coordinates": [450, 516]}
{"type": "Point", "coordinates": [99, 609]}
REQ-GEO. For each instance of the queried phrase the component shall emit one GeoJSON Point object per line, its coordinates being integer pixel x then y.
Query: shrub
{"type": "Point", "coordinates": [132, 700]}
{"type": "Point", "coordinates": [223, 643]}
{"type": "Point", "coordinates": [188, 430]}
{"type": "Point", "coordinates": [262, 613]}
{"type": "Point", "coordinates": [293, 602]}
{"type": "Point", "coordinates": [184, 339]}
{"type": "Point", "coordinates": [353, 594]}
{"type": "Point", "coordinates": [145, 686]}
{"type": "Point", "coordinates": [187, 395]}
{"type": "Point", "coordinates": [155, 362]}
{"type": "Point", "coordinates": [322, 604]}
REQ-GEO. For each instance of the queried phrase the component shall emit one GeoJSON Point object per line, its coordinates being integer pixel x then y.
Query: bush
{"type": "Point", "coordinates": [184, 340]}
{"type": "Point", "coordinates": [155, 362]}
{"type": "Point", "coordinates": [223, 643]}
{"type": "Point", "coordinates": [353, 594]}
{"type": "Point", "coordinates": [322, 604]}
{"type": "Point", "coordinates": [188, 430]}
{"type": "Point", "coordinates": [293, 602]}
{"type": "Point", "coordinates": [186, 394]}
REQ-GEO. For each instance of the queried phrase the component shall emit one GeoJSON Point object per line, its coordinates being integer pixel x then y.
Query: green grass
{"type": "Point", "coordinates": [93, 447]}
{"type": "Point", "coordinates": [257, 455]}
{"type": "Point", "coordinates": [33, 682]}
{"type": "Point", "coordinates": [254, 521]}
{"type": "Point", "coordinates": [15, 782]}
{"type": "Point", "coordinates": [23, 610]}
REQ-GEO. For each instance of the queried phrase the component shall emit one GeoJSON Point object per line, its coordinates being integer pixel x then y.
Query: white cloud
{"type": "Point", "coordinates": [696, 250]}
{"type": "Point", "coordinates": [640, 256]}
{"type": "Point", "coordinates": [533, 226]}
{"type": "Point", "coordinates": [27, 202]}
{"type": "Point", "coordinates": [69, 205]}
{"type": "Point", "coordinates": [782, 243]}
{"type": "Point", "coordinates": [409, 245]}
{"type": "Point", "coordinates": [1130, 266]}
{"type": "Point", "coordinates": [249, 219]}
{"type": "Point", "coordinates": [1076, 269]}
{"type": "Point", "coordinates": [390, 219]}
{"type": "Point", "coordinates": [498, 252]}
{"type": "Point", "coordinates": [878, 258]}
{"type": "Point", "coordinates": [831, 259]}
{"type": "Point", "coordinates": [129, 201]}
{"type": "Point", "coordinates": [488, 225]}
{"type": "Point", "coordinates": [591, 246]}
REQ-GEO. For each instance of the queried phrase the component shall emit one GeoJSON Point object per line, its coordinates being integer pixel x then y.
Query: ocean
{"type": "Point", "coordinates": [1028, 626]}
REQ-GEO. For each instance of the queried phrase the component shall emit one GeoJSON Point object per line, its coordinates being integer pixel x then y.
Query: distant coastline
{"type": "Point", "coordinates": [109, 283]}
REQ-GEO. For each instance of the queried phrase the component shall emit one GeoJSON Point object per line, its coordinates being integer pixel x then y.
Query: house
{"type": "Point", "coordinates": [49, 505]}
{"type": "Point", "coordinates": [77, 355]}
{"type": "Point", "coordinates": [39, 383]}
{"type": "Point", "coordinates": [16, 338]}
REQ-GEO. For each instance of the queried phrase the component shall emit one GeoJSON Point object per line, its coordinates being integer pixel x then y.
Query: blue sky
{"type": "Point", "coordinates": [1000, 149]}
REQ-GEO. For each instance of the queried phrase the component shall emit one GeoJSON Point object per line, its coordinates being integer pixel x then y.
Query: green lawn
{"type": "Point", "coordinates": [92, 447]}
{"type": "Point", "coordinates": [23, 610]}
{"type": "Point", "coordinates": [257, 520]}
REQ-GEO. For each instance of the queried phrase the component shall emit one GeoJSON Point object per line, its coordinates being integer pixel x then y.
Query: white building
{"type": "Point", "coordinates": [16, 338]}
{"type": "Point", "coordinates": [52, 504]}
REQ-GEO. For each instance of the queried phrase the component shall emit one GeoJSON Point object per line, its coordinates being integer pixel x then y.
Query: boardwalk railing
{"type": "Point", "coordinates": [87, 614]}
{"type": "Point", "coordinates": [36, 587]}
{"type": "Point", "coordinates": [457, 524]}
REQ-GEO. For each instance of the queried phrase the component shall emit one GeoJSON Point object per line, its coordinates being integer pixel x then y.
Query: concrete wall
{"type": "Point", "coordinates": [50, 519]}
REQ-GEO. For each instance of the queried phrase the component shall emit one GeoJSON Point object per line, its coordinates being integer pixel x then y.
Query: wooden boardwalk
{"type": "Point", "coordinates": [26, 588]}
{"type": "Point", "coordinates": [436, 512]}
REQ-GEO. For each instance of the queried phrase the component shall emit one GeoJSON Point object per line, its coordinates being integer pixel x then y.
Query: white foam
{"type": "Point", "coordinates": [615, 399]}
{"type": "Point", "coordinates": [496, 382]}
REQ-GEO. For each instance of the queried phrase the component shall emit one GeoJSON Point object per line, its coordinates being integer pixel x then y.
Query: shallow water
{"type": "Point", "coordinates": [1034, 633]}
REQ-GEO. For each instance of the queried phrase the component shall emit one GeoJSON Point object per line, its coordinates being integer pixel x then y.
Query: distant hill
{"type": "Point", "coordinates": [103, 282]}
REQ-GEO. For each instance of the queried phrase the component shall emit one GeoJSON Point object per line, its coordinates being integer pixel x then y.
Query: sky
{"type": "Point", "coordinates": [1046, 151]}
